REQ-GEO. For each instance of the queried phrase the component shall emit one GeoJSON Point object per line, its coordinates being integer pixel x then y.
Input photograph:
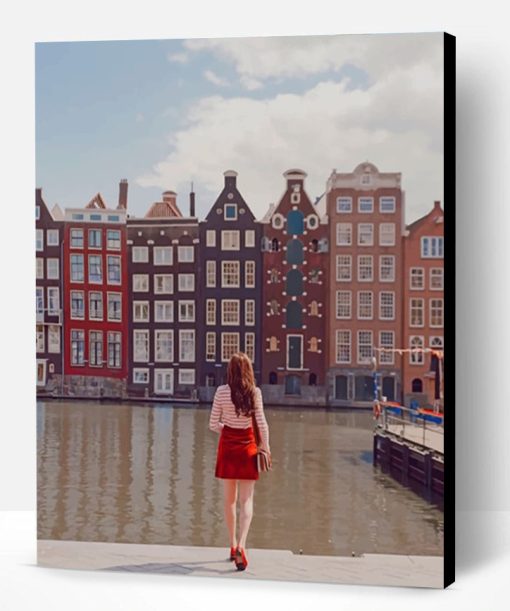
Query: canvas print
{"type": "Point", "coordinates": [241, 264]}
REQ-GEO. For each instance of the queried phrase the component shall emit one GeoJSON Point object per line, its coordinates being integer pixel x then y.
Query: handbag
{"type": "Point", "coordinates": [264, 462]}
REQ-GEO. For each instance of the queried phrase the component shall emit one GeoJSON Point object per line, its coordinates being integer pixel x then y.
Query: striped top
{"type": "Point", "coordinates": [223, 408]}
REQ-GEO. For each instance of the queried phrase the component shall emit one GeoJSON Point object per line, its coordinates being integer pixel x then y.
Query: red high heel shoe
{"type": "Point", "coordinates": [232, 553]}
{"type": "Point", "coordinates": [240, 559]}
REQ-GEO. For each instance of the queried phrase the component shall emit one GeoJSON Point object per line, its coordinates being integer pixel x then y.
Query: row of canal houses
{"type": "Point", "coordinates": [154, 307]}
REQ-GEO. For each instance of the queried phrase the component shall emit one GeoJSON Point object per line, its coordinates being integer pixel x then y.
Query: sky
{"type": "Point", "coordinates": [166, 113]}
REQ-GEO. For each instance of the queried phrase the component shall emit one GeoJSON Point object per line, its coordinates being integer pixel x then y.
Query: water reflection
{"type": "Point", "coordinates": [145, 474]}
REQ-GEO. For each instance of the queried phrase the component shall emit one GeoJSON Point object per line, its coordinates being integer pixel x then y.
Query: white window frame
{"type": "Point", "coordinates": [73, 317]}
{"type": "Point", "coordinates": [56, 262]}
{"type": "Point", "coordinates": [224, 304]}
{"type": "Point", "coordinates": [40, 343]}
{"type": "Point", "coordinates": [249, 345]}
{"type": "Point", "coordinates": [210, 312]}
{"type": "Point", "coordinates": [170, 281]}
{"type": "Point", "coordinates": [110, 294]}
{"type": "Point", "coordinates": [439, 275]}
{"type": "Point", "coordinates": [415, 273]}
{"type": "Point", "coordinates": [436, 243]}
{"type": "Point", "coordinates": [82, 258]}
{"type": "Point", "coordinates": [235, 274]}
{"type": "Point", "coordinates": [382, 306]}
{"type": "Point", "coordinates": [338, 305]}
{"type": "Point", "coordinates": [137, 358]}
{"type": "Point", "coordinates": [230, 239]}
{"type": "Point", "coordinates": [54, 347]}
{"type": "Point", "coordinates": [183, 285]}
{"type": "Point", "coordinates": [186, 254]}
{"type": "Point", "coordinates": [224, 335]}
{"type": "Point", "coordinates": [53, 311]}
{"type": "Point", "coordinates": [347, 265]}
{"type": "Point", "coordinates": [364, 360]}
{"type": "Point", "coordinates": [139, 279]}
{"type": "Point", "coordinates": [287, 354]}
{"type": "Point", "coordinates": [158, 389]}
{"type": "Point", "coordinates": [101, 343]}
{"type": "Point", "coordinates": [249, 238]}
{"type": "Point", "coordinates": [236, 212]}
{"type": "Point", "coordinates": [188, 359]}
{"type": "Point", "coordinates": [247, 274]}
{"type": "Point", "coordinates": [138, 307]}
{"type": "Point", "coordinates": [52, 237]}
{"type": "Point", "coordinates": [109, 281]}
{"type": "Point", "coordinates": [385, 199]}
{"type": "Point", "coordinates": [371, 317]}
{"type": "Point", "coordinates": [344, 230]}
{"type": "Point", "coordinates": [422, 308]}
{"type": "Point", "coordinates": [166, 304]}
{"type": "Point", "coordinates": [39, 302]}
{"type": "Point", "coordinates": [39, 240]}
{"type": "Point", "coordinates": [141, 371]}
{"type": "Point", "coordinates": [387, 234]}
{"type": "Point", "coordinates": [77, 231]}
{"type": "Point", "coordinates": [417, 358]}
{"type": "Point", "coordinates": [162, 255]}
{"type": "Point", "coordinates": [210, 273]}
{"type": "Point", "coordinates": [441, 324]}
{"type": "Point", "coordinates": [81, 333]}
{"type": "Point", "coordinates": [98, 257]}
{"type": "Point", "coordinates": [89, 241]}
{"type": "Point", "coordinates": [391, 267]}
{"type": "Point", "coordinates": [168, 357]}
{"type": "Point", "coordinates": [140, 254]}
{"type": "Point", "coordinates": [113, 243]}
{"type": "Point", "coordinates": [347, 201]}
{"type": "Point", "coordinates": [187, 377]}
{"type": "Point", "coordinates": [369, 258]}
{"type": "Point", "coordinates": [39, 268]}
{"type": "Point", "coordinates": [362, 201]}
{"type": "Point", "coordinates": [249, 312]}
{"type": "Point", "coordinates": [210, 346]}
{"type": "Point", "coordinates": [387, 358]}
{"type": "Point", "coordinates": [189, 314]}
{"type": "Point", "coordinates": [210, 238]}
{"type": "Point", "coordinates": [339, 344]}
{"type": "Point", "coordinates": [109, 335]}
{"type": "Point", "coordinates": [37, 213]}
{"type": "Point", "coordinates": [90, 293]}
{"type": "Point", "coordinates": [370, 234]}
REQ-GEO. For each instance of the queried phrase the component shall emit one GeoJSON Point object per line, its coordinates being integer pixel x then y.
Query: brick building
{"type": "Point", "coordinates": [295, 261]}
{"type": "Point", "coordinates": [230, 272]}
{"type": "Point", "coordinates": [49, 318]}
{"type": "Point", "coordinates": [95, 298]}
{"type": "Point", "coordinates": [366, 222]}
{"type": "Point", "coordinates": [423, 315]}
{"type": "Point", "coordinates": [163, 288]}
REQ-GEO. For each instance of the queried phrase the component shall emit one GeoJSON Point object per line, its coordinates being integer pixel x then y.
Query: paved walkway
{"type": "Point", "coordinates": [432, 438]}
{"type": "Point", "coordinates": [369, 569]}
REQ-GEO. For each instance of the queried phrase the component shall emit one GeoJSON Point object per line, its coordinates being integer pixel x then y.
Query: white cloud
{"type": "Point", "coordinates": [180, 58]}
{"type": "Point", "coordinates": [139, 117]}
{"type": "Point", "coordinates": [213, 78]}
{"type": "Point", "coordinates": [396, 123]}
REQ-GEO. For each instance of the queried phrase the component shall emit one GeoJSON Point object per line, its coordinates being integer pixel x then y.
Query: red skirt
{"type": "Point", "coordinates": [237, 454]}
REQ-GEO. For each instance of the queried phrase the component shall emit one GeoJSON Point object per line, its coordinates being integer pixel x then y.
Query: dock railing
{"type": "Point", "coordinates": [410, 425]}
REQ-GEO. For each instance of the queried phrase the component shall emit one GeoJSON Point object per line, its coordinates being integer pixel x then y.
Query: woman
{"type": "Point", "coordinates": [236, 461]}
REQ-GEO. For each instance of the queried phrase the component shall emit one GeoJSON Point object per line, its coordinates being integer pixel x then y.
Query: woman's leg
{"type": "Point", "coordinates": [229, 507]}
{"type": "Point", "coordinates": [246, 488]}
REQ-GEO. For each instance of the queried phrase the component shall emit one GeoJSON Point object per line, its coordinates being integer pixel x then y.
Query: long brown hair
{"type": "Point", "coordinates": [241, 380]}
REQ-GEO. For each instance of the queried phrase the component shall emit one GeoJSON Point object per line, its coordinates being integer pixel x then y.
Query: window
{"type": "Point", "coordinates": [54, 339]}
{"type": "Point", "coordinates": [387, 340]}
{"type": "Point", "coordinates": [94, 238]}
{"type": "Point", "coordinates": [113, 239]}
{"type": "Point", "coordinates": [365, 234]}
{"type": "Point", "coordinates": [113, 269]}
{"type": "Point", "coordinates": [416, 385]}
{"type": "Point", "coordinates": [229, 345]}
{"type": "Point", "coordinates": [416, 313]}
{"type": "Point", "coordinates": [163, 284]}
{"type": "Point", "coordinates": [140, 376]}
{"type": "Point", "coordinates": [140, 311]}
{"type": "Point", "coordinates": [52, 237]}
{"type": "Point", "coordinates": [386, 305]}
{"type": "Point", "coordinates": [186, 376]}
{"type": "Point", "coordinates": [249, 345]}
{"type": "Point", "coordinates": [275, 245]}
{"type": "Point", "coordinates": [39, 338]}
{"type": "Point", "coordinates": [344, 234]}
{"type": "Point", "coordinates": [249, 238]}
{"type": "Point", "coordinates": [436, 278]}
{"type": "Point", "coordinates": [210, 312]}
{"type": "Point", "coordinates": [343, 268]}
{"type": "Point", "coordinates": [230, 273]}
{"type": "Point", "coordinates": [163, 346]}
{"type": "Point", "coordinates": [39, 268]}
{"type": "Point", "coordinates": [432, 247]}
{"type": "Point", "coordinates": [39, 301]}
{"type": "Point", "coordinates": [163, 381]}
{"type": "Point", "coordinates": [141, 346]}
{"type": "Point", "coordinates": [186, 311]}
{"type": "Point", "coordinates": [162, 255]}
{"type": "Point", "coordinates": [140, 254]}
{"type": "Point", "coordinates": [187, 345]}
{"type": "Point", "coordinates": [417, 343]}
{"type": "Point", "coordinates": [387, 234]}
{"type": "Point", "coordinates": [210, 346]}
{"type": "Point", "coordinates": [249, 312]}
{"type": "Point", "coordinates": [417, 278]}
{"type": "Point", "coordinates": [77, 347]}
{"type": "Point", "coordinates": [210, 238]}
{"type": "Point", "coordinates": [365, 268]}
{"type": "Point", "coordinates": [114, 306]}
{"type": "Point", "coordinates": [77, 305]}
{"type": "Point", "coordinates": [295, 222]}
{"type": "Point", "coordinates": [386, 268]}
{"type": "Point", "coordinates": [114, 349]}
{"type": "Point", "coordinates": [185, 254]}
{"type": "Point", "coordinates": [52, 269]}
{"type": "Point", "coordinates": [365, 305]}
{"type": "Point", "coordinates": [39, 240]}
{"type": "Point", "coordinates": [249, 274]}
{"type": "Point", "coordinates": [37, 213]}
{"type": "Point", "coordinates": [53, 301]}
{"type": "Point", "coordinates": [436, 341]}
{"type": "Point", "coordinates": [365, 204]}
{"type": "Point", "coordinates": [229, 311]}
{"type": "Point", "coordinates": [343, 304]}
{"type": "Point", "coordinates": [230, 212]}
{"type": "Point", "coordinates": [344, 205]}
{"type": "Point", "coordinates": [436, 312]}
{"type": "Point", "coordinates": [229, 240]}
{"type": "Point", "coordinates": [164, 311]}
{"type": "Point", "coordinates": [96, 348]}
{"type": "Point", "coordinates": [76, 238]}
{"type": "Point", "coordinates": [77, 217]}
{"type": "Point", "coordinates": [343, 346]}
{"type": "Point", "coordinates": [387, 204]}
{"type": "Point", "coordinates": [365, 179]}
{"type": "Point", "coordinates": [365, 346]}
{"type": "Point", "coordinates": [210, 273]}
{"type": "Point", "coordinates": [186, 282]}
{"type": "Point", "coordinates": [140, 283]}
{"type": "Point", "coordinates": [95, 269]}
{"type": "Point", "coordinates": [95, 305]}
{"type": "Point", "coordinates": [113, 218]}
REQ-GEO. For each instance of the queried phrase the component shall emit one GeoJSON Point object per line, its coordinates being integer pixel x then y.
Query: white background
{"type": "Point", "coordinates": [483, 308]}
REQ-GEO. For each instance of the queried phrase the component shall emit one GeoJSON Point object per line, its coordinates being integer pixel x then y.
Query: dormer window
{"type": "Point", "coordinates": [230, 212]}
{"type": "Point", "coordinates": [365, 179]}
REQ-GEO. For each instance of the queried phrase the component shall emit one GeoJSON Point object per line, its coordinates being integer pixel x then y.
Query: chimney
{"type": "Point", "coordinates": [294, 177]}
{"type": "Point", "coordinates": [230, 178]}
{"type": "Point", "coordinates": [170, 196]}
{"type": "Point", "coordinates": [437, 204]}
{"type": "Point", "coordinates": [192, 202]}
{"type": "Point", "coordinates": [123, 190]}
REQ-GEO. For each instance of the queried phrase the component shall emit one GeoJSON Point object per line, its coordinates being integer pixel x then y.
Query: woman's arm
{"type": "Point", "coordinates": [261, 420]}
{"type": "Point", "coordinates": [214, 419]}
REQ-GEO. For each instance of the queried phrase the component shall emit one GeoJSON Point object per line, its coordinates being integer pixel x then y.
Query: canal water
{"type": "Point", "coordinates": [145, 474]}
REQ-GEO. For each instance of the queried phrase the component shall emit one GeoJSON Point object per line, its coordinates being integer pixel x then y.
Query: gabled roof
{"type": "Point", "coordinates": [436, 209]}
{"type": "Point", "coordinates": [166, 209]}
{"type": "Point", "coordinates": [97, 202]}
{"type": "Point", "coordinates": [56, 213]}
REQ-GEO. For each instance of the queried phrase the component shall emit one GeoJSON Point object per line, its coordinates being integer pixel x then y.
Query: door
{"type": "Point", "coordinates": [294, 352]}
{"type": "Point", "coordinates": [164, 381]}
